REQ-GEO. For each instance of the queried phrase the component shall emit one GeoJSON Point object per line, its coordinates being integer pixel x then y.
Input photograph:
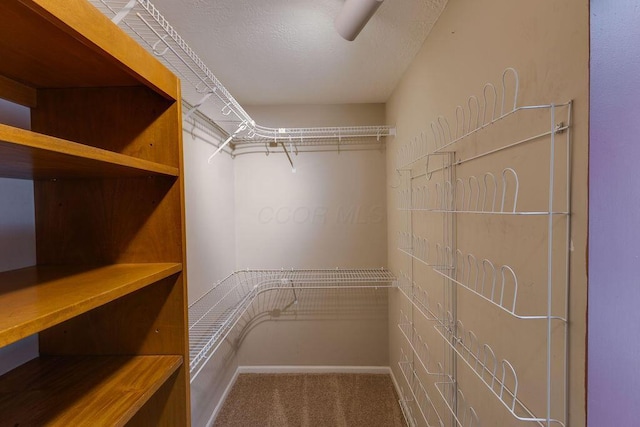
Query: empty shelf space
{"type": "Point", "coordinates": [30, 155]}
{"type": "Point", "coordinates": [36, 298]}
{"type": "Point", "coordinates": [82, 391]}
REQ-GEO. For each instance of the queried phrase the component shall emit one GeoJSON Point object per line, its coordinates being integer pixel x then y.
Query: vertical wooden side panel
{"type": "Point", "coordinates": [185, 288]}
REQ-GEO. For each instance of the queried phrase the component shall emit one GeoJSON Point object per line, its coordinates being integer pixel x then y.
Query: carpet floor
{"type": "Point", "coordinates": [311, 400]}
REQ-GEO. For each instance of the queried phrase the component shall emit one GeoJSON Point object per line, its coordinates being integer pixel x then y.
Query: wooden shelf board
{"type": "Point", "coordinates": [72, 44]}
{"type": "Point", "coordinates": [36, 298]}
{"type": "Point", "coordinates": [82, 391]}
{"type": "Point", "coordinates": [30, 155]}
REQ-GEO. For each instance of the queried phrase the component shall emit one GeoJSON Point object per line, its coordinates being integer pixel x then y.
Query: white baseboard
{"type": "Point", "coordinates": [278, 369]}
{"type": "Point", "coordinates": [216, 410]}
{"type": "Point", "coordinates": [395, 383]}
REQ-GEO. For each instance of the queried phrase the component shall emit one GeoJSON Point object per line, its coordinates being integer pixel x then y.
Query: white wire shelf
{"type": "Point", "coordinates": [482, 194]}
{"type": "Point", "coordinates": [463, 414]}
{"type": "Point", "coordinates": [474, 116]}
{"type": "Point", "coordinates": [214, 315]}
{"type": "Point", "coordinates": [407, 414]}
{"type": "Point", "coordinates": [205, 93]}
{"type": "Point", "coordinates": [419, 393]}
{"type": "Point", "coordinates": [429, 179]}
{"type": "Point", "coordinates": [500, 378]}
{"type": "Point", "coordinates": [419, 346]}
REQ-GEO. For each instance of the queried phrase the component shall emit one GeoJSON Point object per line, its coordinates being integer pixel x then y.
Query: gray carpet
{"type": "Point", "coordinates": [311, 400]}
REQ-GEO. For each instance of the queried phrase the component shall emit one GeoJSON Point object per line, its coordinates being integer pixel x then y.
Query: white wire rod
{"type": "Point", "coordinates": [406, 411]}
{"type": "Point", "coordinates": [496, 304]}
{"type": "Point", "coordinates": [326, 142]}
{"type": "Point", "coordinates": [195, 71]}
{"type": "Point", "coordinates": [201, 353]}
{"type": "Point", "coordinates": [442, 149]}
{"type": "Point", "coordinates": [217, 88]}
{"type": "Point", "coordinates": [567, 264]}
{"type": "Point", "coordinates": [246, 285]}
{"type": "Point", "coordinates": [442, 134]}
{"type": "Point", "coordinates": [552, 155]}
{"type": "Point", "coordinates": [481, 356]}
{"type": "Point", "coordinates": [422, 306]}
{"type": "Point", "coordinates": [405, 325]}
{"type": "Point", "coordinates": [200, 122]}
{"type": "Point", "coordinates": [446, 197]}
{"type": "Point", "coordinates": [481, 193]}
{"type": "Point", "coordinates": [496, 150]}
{"type": "Point", "coordinates": [415, 382]}
{"type": "Point", "coordinates": [423, 261]}
{"type": "Point", "coordinates": [413, 147]}
{"type": "Point", "coordinates": [532, 213]}
{"type": "Point", "coordinates": [300, 134]}
{"type": "Point", "coordinates": [306, 150]}
{"type": "Point", "coordinates": [474, 420]}
{"type": "Point", "coordinates": [191, 55]}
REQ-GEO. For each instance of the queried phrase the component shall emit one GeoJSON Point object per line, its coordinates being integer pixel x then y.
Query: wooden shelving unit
{"type": "Point", "coordinates": [93, 391]}
{"type": "Point", "coordinates": [107, 297]}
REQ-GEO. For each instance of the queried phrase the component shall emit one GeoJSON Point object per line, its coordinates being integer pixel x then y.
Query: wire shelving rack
{"type": "Point", "coordinates": [432, 178]}
{"type": "Point", "coordinates": [204, 93]}
{"type": "Point", "coordinates": [213, 316]}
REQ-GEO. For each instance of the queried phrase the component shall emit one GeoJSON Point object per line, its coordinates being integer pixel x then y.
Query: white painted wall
{"type": "Point", "coordinates": [210, 227]}
{"type": "Point", "coordinates": [210, 212]}
{"type": "Point", "coordinates": [330, 213]}
{"type": "Point", "coordinates": [17, 233]}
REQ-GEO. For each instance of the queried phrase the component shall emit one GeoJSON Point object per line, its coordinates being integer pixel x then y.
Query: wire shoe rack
{"type": "Point", "coordinates": [216, 313]}
{"type": "Point", "coordinates": [203, 93]}
{"type": "Point", "coordinates": [452, 174]}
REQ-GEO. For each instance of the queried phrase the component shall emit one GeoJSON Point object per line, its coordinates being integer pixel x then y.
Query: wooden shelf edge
{"type": "Point", "coordinates": [82, 390]}
{"type": "Point", "coordinates": [40, 147]}
{"type": "Point", "coordinates": [17, 92]}
{"type": "Point", "coordinates": [40, 297]}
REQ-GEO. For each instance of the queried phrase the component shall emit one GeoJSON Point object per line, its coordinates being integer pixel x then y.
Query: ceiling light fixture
{"type": "Point", "coordinates": [354, 16]}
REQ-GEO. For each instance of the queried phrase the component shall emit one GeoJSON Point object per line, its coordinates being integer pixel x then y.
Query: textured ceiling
{"type": "Point", "coordinates": [288, 52]}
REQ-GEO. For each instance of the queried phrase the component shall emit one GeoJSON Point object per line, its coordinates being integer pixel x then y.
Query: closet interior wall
{"type": "Point", "coordinates": [330, 213]}
{"type": "Point", "coordinates": [17, 233]}
{"type": "Point", "coordinates": [211, 249]}
{"type": "Point", "coordinates": [472, 43]}
{"type": "Point", "coordinates": [253, 212]}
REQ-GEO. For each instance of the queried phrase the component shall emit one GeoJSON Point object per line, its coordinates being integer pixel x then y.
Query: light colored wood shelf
{"type": "Point", "coordinates": [82, 391]}
{"type": "Point", "coordinates": [30, 155]}
{"type": "Point", "coordinates": [36, 298]}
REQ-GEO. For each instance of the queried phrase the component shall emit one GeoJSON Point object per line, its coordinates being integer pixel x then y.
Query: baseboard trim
{"type": "Point", "coordinates": [216, 410]}
{"type": "Point", "coordinates": [279, 369]}
{"type": "Point", "coordinates": [395, 383]}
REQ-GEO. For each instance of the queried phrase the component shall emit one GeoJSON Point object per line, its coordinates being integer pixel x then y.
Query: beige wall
{"type": "Point", "coordinates": [330, 213]}
{"type": "Point", "coordinates": [210, 218]}
{"type": "Point", "coordinates": [17, 233]}
{"type": "Point", "coordinates": [472, 42]}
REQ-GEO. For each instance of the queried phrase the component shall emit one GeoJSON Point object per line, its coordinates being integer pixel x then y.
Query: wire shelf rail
{"type": "Point", "coordinates": [214, 315]}
{"type": "Point", "coordinates": [419, 393]}
{"type": "Point", "coordinates": [206, 94]}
